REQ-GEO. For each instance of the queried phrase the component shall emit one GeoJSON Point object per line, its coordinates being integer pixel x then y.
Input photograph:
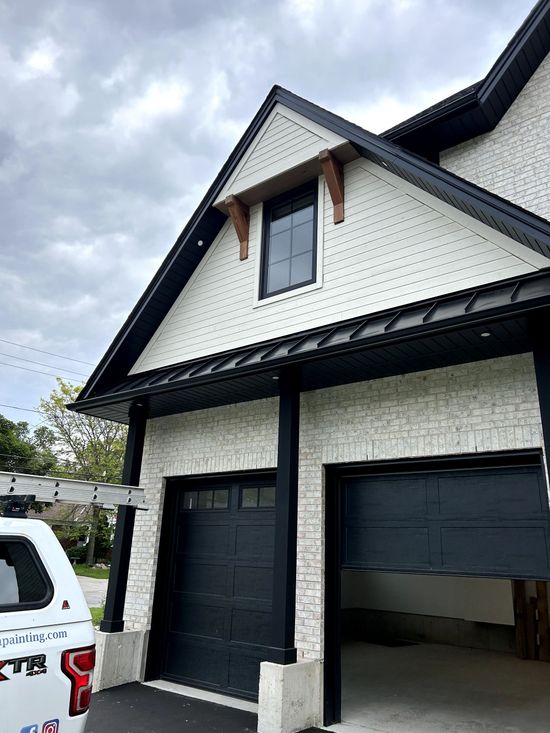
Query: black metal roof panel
{"type": "Point", "coordinates": [480, 107]}
{"type": "Point", "coordinates": [523, 226]}
{"type": "Point", "coordinates": [247, 373]}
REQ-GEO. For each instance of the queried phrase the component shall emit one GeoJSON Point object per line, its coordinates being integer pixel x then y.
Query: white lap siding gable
{"type": "Point", "coordinates": [396, 246]}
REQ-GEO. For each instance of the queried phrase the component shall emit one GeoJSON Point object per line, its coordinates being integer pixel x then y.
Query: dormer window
{"type": "Point", "coordinates": [289, 250]}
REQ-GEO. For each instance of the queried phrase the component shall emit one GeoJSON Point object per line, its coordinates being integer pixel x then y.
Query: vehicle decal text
{"type": "Point", "coordinates": [31, 666]}
{"type": "Point", "coordinates": [31, 637]}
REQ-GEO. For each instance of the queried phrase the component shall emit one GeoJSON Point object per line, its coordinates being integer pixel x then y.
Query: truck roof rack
{"type": "Point", "coordinates": [50, 489]}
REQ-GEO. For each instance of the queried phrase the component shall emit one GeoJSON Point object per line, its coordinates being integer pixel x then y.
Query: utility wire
{"type": "Point", "coordinates": [49, 353]}
{"type": "Point", "coordinates": [36, 371]}
{"type": "Point", "coordinates": [25, 409]}
{"type": "Point", "coordinates": [41, 363]}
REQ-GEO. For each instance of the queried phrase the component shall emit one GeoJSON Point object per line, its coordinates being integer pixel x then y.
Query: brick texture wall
{"type": "Point", "coordinates": [485, 406]}
{"type": "Point", "coordinates": [239, 437]}
{"type": "Point", "coordinates": [513, 159]}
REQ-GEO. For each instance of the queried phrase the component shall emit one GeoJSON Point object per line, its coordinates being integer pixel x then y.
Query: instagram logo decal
{"type": "Point", "coordinates": [51, 726]}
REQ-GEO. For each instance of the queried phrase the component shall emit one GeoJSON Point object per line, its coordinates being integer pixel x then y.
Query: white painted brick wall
{"type": "Point", "coordinates": [486, 406]}
{"type": "Point", "coordinates": [513, 160]}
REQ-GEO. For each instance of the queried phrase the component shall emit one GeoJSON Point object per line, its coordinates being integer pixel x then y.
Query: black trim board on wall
{"type": "Point", "coordinates": [333, 565]}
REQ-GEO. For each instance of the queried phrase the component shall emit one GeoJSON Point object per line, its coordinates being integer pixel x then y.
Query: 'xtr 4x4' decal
{"type": "Point", "coordinates": [33, 665]}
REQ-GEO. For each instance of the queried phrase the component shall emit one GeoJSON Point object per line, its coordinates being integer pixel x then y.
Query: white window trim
{"type": "Point", "coordinates": [260, 302]}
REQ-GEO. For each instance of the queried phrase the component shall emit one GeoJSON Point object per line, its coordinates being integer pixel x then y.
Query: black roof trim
{"type": "Point", "coordinates": [508, 298]}
{"type": "Point", "coordinates": [480, 107]}
{"type": "Point", "coordinates": [512, 221]}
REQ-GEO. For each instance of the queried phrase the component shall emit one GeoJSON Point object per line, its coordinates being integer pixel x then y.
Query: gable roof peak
{"type": "Point", "coordinates": [207, 220]}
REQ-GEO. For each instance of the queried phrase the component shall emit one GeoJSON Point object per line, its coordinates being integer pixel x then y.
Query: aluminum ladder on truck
{"type": "Point", "coordinates": [19, 489]}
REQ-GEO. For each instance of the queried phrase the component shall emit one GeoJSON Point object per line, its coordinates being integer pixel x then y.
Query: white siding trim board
{"type": "Point", "coordinates": [510, 245]}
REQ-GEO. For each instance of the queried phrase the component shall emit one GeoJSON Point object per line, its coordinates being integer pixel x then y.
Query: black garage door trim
{"type": "Point", "coordinates": [426, 546]}
{"type": "Point", "coordinates": [212, 614]}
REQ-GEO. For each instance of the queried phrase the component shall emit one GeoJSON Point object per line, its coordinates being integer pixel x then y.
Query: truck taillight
{"type": "Point", "coordinates": [78, 665]}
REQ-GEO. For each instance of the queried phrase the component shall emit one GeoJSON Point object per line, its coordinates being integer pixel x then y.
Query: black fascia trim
{"type": "Point", "coordinates": [408, 165]}
{"type": "Point", "coordinates": [310, 187]}
{"type": "Point", "coordinates": [152, 306]}
{"type": "Point", "coordinates": [465, 99]}
{"type": "Point", "coordinates": [511, 305]}
{"type": "Point", "coordinates": [39, 565]}
{"type": "Point", "coordinates": [478, 97]}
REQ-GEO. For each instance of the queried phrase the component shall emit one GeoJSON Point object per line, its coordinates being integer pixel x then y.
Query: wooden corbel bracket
{"type": "Point", "coordinates": [240, 217]}
{"type": "Point", "coordinates": [334, 176]}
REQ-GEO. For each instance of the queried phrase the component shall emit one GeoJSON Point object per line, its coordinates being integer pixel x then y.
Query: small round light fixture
{"type": "Point", "coordinates": [485, 334]}
{"type": "Point", "coordinates": [200, 243]}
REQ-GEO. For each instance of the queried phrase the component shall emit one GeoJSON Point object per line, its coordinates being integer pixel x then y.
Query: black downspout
{"type": "Point", "coordinates": [539, 332]}
{"type": "Point", "coordinates": [283, 650]}
{"type": "Point", "coordinates": [118, 576]}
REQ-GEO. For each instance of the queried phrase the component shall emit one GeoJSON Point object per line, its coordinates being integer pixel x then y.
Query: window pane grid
{"type": "Point", "coordinates": [258, 497]}
{"type": "Point", "coordinates": [205, 500]}
{"type": "Point", "coordinates": [289, 257]}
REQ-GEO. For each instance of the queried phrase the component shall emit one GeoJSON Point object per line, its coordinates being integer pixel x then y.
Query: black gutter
{"type": "Point", "coordinates": [511, 298]}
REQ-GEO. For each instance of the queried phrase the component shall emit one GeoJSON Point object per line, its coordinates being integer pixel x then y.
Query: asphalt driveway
{"type": "Point", "coordinates": [138, 708]}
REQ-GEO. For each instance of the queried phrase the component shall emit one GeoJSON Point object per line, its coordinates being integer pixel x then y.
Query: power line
{"type": "Point", "coordinates": [26, 369]}
{"type": "Point", "coordinates": [25, 409]}
{"type": "Point", "coordinates": [49, 353]}
{"type": "Point", "coordinates": [41, 363]}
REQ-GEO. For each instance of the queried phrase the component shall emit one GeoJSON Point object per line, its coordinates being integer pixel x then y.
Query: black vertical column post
{"type": "Point", "coordinates": [286, 520]}
{"type": "Point", "coordinates": [539, 332]}
{"type": "Point", "coordinates": [122, 545]}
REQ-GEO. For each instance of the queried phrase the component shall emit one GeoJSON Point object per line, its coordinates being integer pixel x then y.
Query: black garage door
{"type": "Point", "coordinates": [218, 615]}
{"type": "Point", "coordinates": [486, 521]}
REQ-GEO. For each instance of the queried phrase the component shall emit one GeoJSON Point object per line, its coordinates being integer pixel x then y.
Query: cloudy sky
{"type": "Point", "coordinates": [115, 115]}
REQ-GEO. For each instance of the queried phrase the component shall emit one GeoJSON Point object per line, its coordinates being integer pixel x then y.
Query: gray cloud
{"type": "Point", "coordinates": [116, 116]}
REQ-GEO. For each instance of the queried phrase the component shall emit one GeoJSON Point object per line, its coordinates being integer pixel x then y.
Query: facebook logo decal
{"type": "Point", "coordinates": [30, 729]}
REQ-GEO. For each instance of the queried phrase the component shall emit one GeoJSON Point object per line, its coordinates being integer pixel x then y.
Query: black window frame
{"type": "Point", "coordinates": [310, 187]}
{"type": "Point", "coordinates": [47, 598]}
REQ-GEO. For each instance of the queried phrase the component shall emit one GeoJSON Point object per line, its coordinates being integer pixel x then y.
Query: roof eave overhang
{"type": "Point", "coordinates": [481, 107]}
{"type": "Point", "coordinates": [511, 299]}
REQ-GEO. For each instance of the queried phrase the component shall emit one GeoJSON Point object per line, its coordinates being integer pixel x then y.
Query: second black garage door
{"type": "Point", "coordinates": [469, 519]}
{"type": "Point", "coordinates": [217, 613]}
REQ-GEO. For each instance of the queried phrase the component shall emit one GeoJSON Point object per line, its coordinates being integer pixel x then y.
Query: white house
{"type": "Point", "coordinates": [338, 391]}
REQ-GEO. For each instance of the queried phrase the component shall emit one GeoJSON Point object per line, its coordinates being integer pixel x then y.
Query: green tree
{"type": "Point", "coordinates": [22, 451]}
{"type": "Point", "coordinates": [86, 447]}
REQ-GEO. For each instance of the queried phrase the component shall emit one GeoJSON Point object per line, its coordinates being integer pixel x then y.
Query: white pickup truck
{"type": "Point", "coordinates": [47, 651]}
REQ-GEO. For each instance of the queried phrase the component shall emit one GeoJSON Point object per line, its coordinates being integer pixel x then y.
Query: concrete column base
{"type": "Point", "coordinates": [120, 658]}
{"type": "Point", "coordinates": [290, 697]}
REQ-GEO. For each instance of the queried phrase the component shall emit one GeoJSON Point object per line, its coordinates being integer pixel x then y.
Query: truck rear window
{"type": "Point", "coordinates": [23, 580]}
